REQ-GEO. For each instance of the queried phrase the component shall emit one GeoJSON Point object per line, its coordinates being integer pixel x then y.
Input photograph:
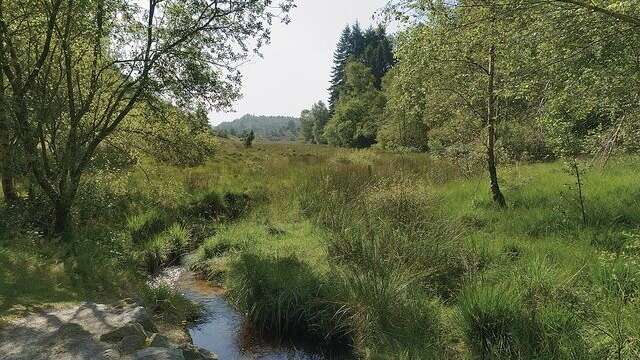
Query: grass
{"type": "Point", "coordinates": [377, 254]}
{"type": "Point", "coordinates": [169, 305]}
{"type": "Point", "coordinates": [422, 265]}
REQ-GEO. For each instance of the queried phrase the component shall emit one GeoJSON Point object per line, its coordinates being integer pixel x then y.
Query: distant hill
{"type": "Point", "coordinates": [276, 128]}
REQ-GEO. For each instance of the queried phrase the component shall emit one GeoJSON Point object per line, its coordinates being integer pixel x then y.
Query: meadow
{"type": "Point", "coordinates": [366, 253]}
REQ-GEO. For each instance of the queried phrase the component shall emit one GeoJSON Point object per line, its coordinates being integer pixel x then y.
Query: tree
{"type": "Point", "coordinates": [464, 57]}
{"type": "Point", "coordinates": [313, 122]}
{"type": "Point", "coordinates": [627, 12]}
{"type": "Point", "coordinates": [6, 144]}
{"type": "Point", "coordinates": [405, 125]}
{"type": "Point", "coordinates": [199, 119]}
{"type": "Point", "coordinates": [357, 116]}
{"type": "Point", "coordinates": [340, 58]}
{"type": "Point", "coordinates": [372, 48]}
{"type": "Point", "coordinates": [88, 64]}
{"type": "Point", "coordinates": [248, 139]}
{"type": "Point", "coordinates": [306, 125]}
{"type": "Point", "coordinates": [321, 117]}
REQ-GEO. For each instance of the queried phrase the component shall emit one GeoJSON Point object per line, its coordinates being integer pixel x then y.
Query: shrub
{"type": "Point", "coordinates": [214, 206]}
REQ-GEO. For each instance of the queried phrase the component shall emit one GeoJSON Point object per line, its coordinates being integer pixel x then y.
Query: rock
{"type": "Point", "coordinates": [141, 316]}
{"type": "Point", "coordinates": [193, 353]}
{"type": "Point", "coordinates": [154, 353]}
{"type": "Point", "coordinates": [131, 343]}
{"type": "Point", "coordinates": [160, 341]}
{"type": "Point", "coordinates": [72, 330]}
{"type": "Point", "coordinates": [118, 334]}
{"type": "Point", "coordinates": [111, 354]}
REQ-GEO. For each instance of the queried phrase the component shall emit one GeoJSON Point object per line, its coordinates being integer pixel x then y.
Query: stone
{"type": "Point", "coordinates": [111, 354]}
{"type": "Point", "coordinates": [127, 330]}
{"type": "Point", "coordinates": [154, 353]}
{"type": "Point", "coordinates": [131, 343]}
{"type": "Point", "coordinates": [194, 353]}
{"type": "Point", "coordinates": [141, 316]}
{"type": "Point", "coordinates": [160, 341]}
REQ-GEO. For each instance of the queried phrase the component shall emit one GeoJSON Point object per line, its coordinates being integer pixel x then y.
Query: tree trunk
{"type": "Point", "coordinates": [62, 217]}
{"type": "Point", "coordinates": [8, 188]}
{"type": "Point", "coordinates": [498, 198]}
{"type": "Point", "coordinates": [6, 153]}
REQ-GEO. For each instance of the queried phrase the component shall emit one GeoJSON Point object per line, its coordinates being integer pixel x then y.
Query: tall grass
{"type": "Point", "coordinates": [393, 256]}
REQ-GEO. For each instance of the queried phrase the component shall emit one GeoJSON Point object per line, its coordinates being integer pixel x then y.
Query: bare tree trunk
{"type": "Point", "coordinates": [6, 153]}
{"type": "Point", "coordinates": [498, 198]}
{"type": "Point", "coordinates": [8, 188]}
{"type": "Point", "coordinates": [62, 217]}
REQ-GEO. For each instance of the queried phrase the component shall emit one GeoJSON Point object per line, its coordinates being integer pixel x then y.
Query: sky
{"type": "Point", "coordinates": [295, 69]}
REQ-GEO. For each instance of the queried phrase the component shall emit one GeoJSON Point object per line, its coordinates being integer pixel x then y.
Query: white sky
{"type": "Point", "coordinates": [296, 67]}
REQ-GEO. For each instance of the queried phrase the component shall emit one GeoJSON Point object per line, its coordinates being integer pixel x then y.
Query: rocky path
{"type": "Point", "coordinates": [91, 331]}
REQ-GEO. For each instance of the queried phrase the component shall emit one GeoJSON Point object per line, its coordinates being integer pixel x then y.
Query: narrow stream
{"type": "Point", "coordinates": [222, 329]}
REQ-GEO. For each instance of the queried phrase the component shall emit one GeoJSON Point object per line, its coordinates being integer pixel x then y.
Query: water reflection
{"type": "Point", "coordinates": [222, 330]}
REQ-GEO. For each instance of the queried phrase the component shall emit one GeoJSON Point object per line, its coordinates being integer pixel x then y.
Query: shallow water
{"type": "Point", "coordinates": [223, 330]}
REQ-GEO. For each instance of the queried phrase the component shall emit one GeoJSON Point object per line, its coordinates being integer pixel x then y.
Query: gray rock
{"type": "Point", "coordinates": [141, 316]}
{"type": "Point", "coordinates": [131, 343]}
{"type": "Point", "coordinates": [118, 334]}
{"type": "Point", "coordinates": [154, 353]}
{"type": "Point", "coordinates": [194, 353]}
{"type": "Point", "coordinates": [160, 341]}
{"type": "Point", "coordinates": [111, 354]}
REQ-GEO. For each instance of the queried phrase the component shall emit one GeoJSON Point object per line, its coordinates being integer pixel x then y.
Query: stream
{"type": "Point", "coordinates": [223, 330]}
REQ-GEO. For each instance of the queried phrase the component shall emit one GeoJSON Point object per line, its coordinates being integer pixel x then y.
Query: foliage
{"type": "Point", "coordinates": [313, 122]}
{"type": "Point", "coordinates": [356, 118]}
{"type": "Point", "coordinates": [265, 127]}
{"type": "Point", "coordinates": [372, 48]}
{"type": "Point", "coordinates": [112, 55]}
{"type": "Point", "coordinates": [248, 138]}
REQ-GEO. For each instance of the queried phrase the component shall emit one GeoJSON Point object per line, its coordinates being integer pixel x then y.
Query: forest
{"type": "Point", "coordinates": [468, 190]}
{"type": "Point", "coordinates": [272, 128]}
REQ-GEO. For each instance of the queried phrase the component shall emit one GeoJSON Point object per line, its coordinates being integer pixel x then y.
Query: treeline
{"type": "Point", "coordinates": [487, 82]}
{"type": "Point", "coordinates": [272, 128]}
